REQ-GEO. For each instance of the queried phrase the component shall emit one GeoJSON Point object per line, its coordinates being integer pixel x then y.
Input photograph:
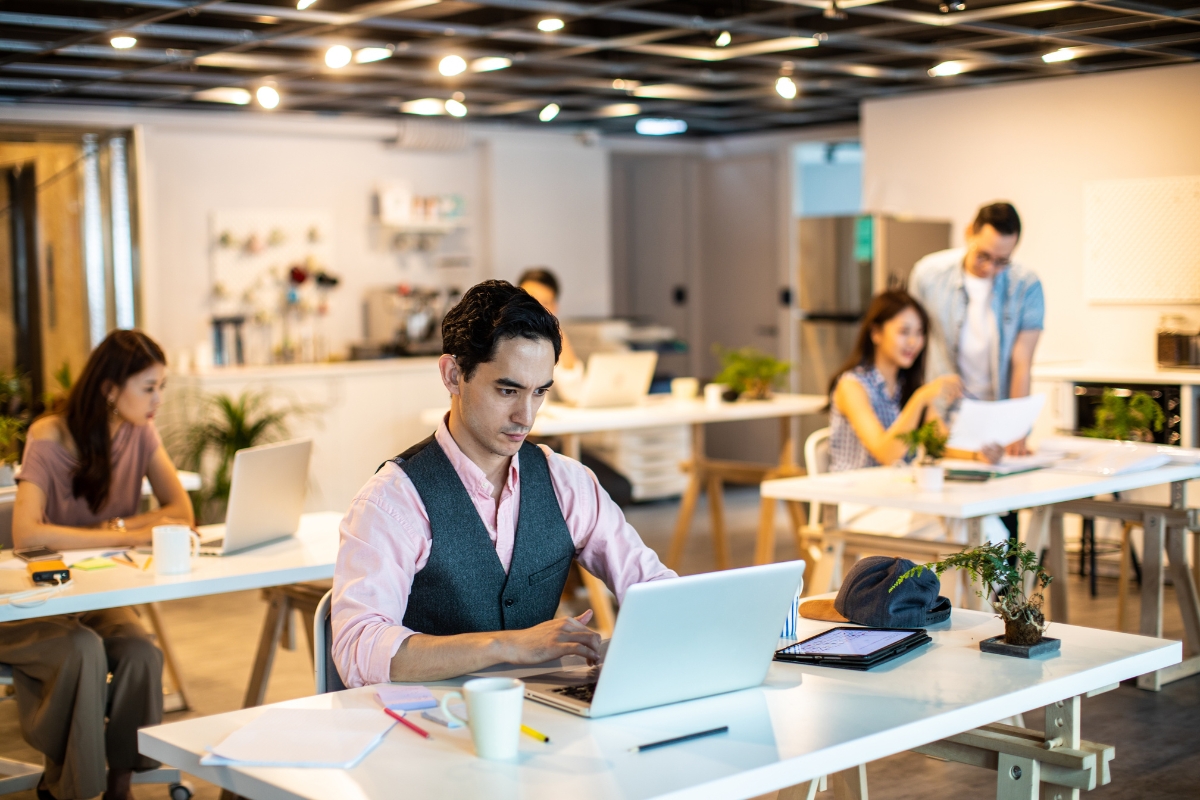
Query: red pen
{"type": "Point", "coordinates": [400, 718]}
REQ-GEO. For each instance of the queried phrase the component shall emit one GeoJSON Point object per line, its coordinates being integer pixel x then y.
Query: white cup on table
{"type": "Point", "coordinates": [174, 548]}
{"type": "Point", "coordinates": [685, 388]}
{"type": "Point", "coordinates": [493, 715]}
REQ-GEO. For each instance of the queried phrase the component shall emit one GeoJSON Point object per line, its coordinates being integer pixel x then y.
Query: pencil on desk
{"type": "Point", "coordinates": [123, 558]}
{"type": "Point", "coordinates": [400, 718]}
{"type": "Point", "coordinates": [541, 737]}
{"type": "Point", "coordinates": [146, 566]}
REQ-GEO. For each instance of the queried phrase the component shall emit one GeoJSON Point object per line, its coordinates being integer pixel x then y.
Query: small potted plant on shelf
{"type": "Point", "coordinates": [1003, 570]}
{"type": "Point", "coordinates": [748, 372]}
{"type": "Point", "coordinates": [927, 448]}
{"type": "Point", "coordinates": [1133, 419]}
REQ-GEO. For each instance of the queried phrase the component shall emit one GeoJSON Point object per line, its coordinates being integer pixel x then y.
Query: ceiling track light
{"type": "Point", "coordinates": [365, 55]}
{"type": "Point", "coordinates": [786, 88]}
{"type": "Point", "coordinates": [452, 65]}
{"type": "Point", "coordinates": [490, 63]}
{"type": "Point", "coordinates": [456, 108]}
{"type": "Point", "coordinates": [267, 97]}
{"type": "Point", "coordinates": [833, 11]}
{"type": "Point", "coordinates": [1061, 54]}
{"type": "Point", "coordinates": [303, 4]}
{"type": "Point", "coordinates": [723, 39]}
{"type": "Point", "coordinates": [550, 25]}
{"type": "Point", "coordinates": [947, 69]}
{"type": "Point", "coordinates": [338, 56]}
{"type": "Point", "coordinates": [549, 112]}
{"type": "Point", "coordinates": [122, 41]}
{"type": "Point", "coordinates": [952, 5]}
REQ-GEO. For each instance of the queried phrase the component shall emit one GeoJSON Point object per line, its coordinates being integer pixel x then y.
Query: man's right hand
{"type": "Point", "coordinates": [569, 636]}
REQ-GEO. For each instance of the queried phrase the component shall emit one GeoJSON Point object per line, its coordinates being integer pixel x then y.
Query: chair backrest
{"type": "Point", "coordinates": [328, 679]}
{"type": "Point", "coordinates": [816, 462]}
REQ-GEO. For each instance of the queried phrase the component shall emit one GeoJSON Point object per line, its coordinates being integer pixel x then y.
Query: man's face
{"type": "Point", "coordinates": [989, 251]}
{"type": "Point", "coordinates": [498, 404]}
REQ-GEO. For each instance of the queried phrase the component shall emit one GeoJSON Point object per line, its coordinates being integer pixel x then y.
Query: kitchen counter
{"type": "Point", "coordinates": [1082, 372]}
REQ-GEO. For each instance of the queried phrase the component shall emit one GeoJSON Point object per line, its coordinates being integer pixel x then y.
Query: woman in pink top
{"type": "Point", "coordinates": [80, 487]}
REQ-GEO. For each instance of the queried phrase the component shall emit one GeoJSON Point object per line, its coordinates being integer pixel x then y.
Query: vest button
{"type": "Point", "coordinates": [509, 603]}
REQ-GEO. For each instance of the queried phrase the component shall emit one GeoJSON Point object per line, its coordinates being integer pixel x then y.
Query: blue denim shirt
{"type": "Point", "coordinates": [937, 283]}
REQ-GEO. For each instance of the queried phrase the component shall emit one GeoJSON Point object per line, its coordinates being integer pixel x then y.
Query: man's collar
{"type": "Point", "coordinates": [471, 473]}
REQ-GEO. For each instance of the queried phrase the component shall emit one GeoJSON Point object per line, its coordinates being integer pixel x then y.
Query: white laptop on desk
{"type": "Point", "coordinates": [616, 379]}
{"type": "Point", "coordinates": [681, 639]}
{"type": "Point", "coordinates": [266, 498]}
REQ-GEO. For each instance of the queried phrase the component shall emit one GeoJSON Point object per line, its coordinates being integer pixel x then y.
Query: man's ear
{"type": "Point", "coordinates": [451, 374]}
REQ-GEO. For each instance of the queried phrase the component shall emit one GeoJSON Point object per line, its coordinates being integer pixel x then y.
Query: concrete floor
{"type": "Point", "coordinates": [215, 638]}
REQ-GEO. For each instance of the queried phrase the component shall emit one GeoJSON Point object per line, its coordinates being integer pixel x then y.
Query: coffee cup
{"type": "Point", "coordinates": [493, 715]}
{"type": "Point", "coordinates": [685, 388]}
{"type": "Point", "coordinates": [174, 548]}
{"type": "Point", "coordinates": [713, 394]}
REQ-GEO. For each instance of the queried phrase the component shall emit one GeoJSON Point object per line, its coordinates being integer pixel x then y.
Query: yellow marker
{"type": "Point", "coordinates": [146, 566]}
{"type": "Point", "coordinates": [541, 737]}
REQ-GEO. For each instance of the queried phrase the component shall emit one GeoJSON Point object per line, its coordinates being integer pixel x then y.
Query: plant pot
{"type": "Point", "coordinates": [929, 477]}
{"type": "Point", "coordinates": [1021, 633]}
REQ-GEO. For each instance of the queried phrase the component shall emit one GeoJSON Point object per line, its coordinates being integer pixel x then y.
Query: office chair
{"type": "Point", "coordinates": [327, 677]}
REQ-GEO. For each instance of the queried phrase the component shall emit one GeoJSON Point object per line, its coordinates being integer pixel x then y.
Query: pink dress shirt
{"type": "Point", "coordinates": [385, 540]}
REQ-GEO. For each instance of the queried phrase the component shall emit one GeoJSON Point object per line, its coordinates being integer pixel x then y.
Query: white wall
{"type": "Point", "coordinates": [532, 198]}
{"type": "Point", "coordinates": [549, 206]}
{"type": "Point", "coordinates": [941, 155]}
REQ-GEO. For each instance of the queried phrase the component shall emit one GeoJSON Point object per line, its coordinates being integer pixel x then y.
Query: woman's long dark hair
{"type": "Point", "coordinates": [119, 357]}
{"type": "Point", "coordinates": [883, 307]}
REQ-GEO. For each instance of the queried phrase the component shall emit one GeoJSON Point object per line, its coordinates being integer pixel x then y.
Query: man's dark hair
{"type": "Point", "coordinates": [540, 275]}
{"type": "Point", "coordinates": [1001, 216]}
{"type": "Point", "coordinates": [492, 311]}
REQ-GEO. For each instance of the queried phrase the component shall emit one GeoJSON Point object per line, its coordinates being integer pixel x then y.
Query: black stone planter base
{"type": "Point", "coordinates": [997, 645]}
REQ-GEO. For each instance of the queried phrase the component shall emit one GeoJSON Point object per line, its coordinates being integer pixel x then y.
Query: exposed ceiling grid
{"type": "Point", "coordinates": [723, 66]}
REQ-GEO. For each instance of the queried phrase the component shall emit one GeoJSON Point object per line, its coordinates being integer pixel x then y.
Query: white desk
{"type": "Point", "coordinates": [1043, 491]}
{"type": "Point", "coordinates": [308, 556]}
{"type": "Point", "coordinates": [804, 722]}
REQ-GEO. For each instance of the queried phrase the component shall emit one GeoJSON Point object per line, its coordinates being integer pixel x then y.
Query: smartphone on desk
{"type": "Point", "coordinates": [39, 553]}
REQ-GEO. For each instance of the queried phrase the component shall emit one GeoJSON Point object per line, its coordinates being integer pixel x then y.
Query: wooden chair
{"type": "Point", "coordinates": [279, 629]}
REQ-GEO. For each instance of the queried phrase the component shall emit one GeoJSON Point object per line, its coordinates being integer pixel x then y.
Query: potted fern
{"type": "Point", "coordinates": [1003, 570]}
{"type": "Point", "coordinates": [749, 372]}
{"type": "Point", "coordinates": [926, 449]}
{"type": "Point", "coordinates": [228, 424]}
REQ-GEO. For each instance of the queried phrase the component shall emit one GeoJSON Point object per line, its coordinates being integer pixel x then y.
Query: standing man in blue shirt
{"type": "Point", "coordinates": [985, 312]}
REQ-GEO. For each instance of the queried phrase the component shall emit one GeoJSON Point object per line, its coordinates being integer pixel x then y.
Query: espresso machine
{"type": "Point", "coordinates": [403, 320]}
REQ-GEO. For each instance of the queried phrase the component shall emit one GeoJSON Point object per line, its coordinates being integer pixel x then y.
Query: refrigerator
{"type": "Point", "coordinates": [842, 263]}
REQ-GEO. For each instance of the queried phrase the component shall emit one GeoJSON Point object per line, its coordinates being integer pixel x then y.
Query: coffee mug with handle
{"type": "Point", "coordinates": [493, 715]}
{"type": "Point", "coordinates": [174, 548]}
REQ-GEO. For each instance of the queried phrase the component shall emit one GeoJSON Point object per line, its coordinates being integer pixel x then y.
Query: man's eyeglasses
{"type": "Point", "coordinates": [988, 258]}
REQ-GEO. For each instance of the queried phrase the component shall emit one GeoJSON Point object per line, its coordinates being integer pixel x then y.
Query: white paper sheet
{"type": "Point", "coordinates": [1002, 422]}
{"type": "Point", "coordinates": [335, 738]}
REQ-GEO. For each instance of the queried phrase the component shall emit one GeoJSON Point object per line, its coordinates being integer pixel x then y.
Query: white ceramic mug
{"type": "Point", "coordinates": [685, 388]}
{"type": "Point", "coordinates": [493, 715]}
{"type": "Point", "coordinates": [174, 548]}
{"type": "Point", "coordinates": [712, 394]}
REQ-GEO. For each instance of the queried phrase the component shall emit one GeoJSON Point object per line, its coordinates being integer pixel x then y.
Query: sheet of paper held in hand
{"type": "Point", "coordinates": [1002, 422]}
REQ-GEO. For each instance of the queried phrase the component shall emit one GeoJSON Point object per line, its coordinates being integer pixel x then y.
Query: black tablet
{"type": "Point", "coordinates": [853, 648]}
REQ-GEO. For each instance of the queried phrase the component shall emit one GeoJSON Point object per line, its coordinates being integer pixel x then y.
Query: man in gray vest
{"type": "Point", "coordinates": [454, 555]}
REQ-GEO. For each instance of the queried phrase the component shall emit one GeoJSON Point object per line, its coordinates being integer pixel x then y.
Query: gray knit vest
{"type": "Point", "coordinates": [462, 587]}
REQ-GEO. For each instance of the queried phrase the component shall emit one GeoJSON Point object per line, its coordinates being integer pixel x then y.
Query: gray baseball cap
{"type": "Point", "coordinates": [864, 598]}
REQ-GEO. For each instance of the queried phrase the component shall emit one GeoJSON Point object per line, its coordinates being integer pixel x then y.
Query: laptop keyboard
{"type": "Point", "coordinates": [583, 693]}
{"type": "Point", "coordinates": [215, 544]}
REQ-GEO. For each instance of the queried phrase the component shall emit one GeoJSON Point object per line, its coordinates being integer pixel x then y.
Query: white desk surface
{"type": "Point", "coordinates": [308, 556]}
{"type": "Point", "coordinates": [893, 487]}
{"type": "Point", "coordinates": [802, 723]}
{"type": "Point", "coordinates": [555, 419]}
{"type": "Point", "coordinates": [190, 481]}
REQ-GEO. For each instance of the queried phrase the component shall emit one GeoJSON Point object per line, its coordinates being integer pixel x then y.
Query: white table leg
{"type": "Point", "coordinates": [1017, 778]}
{"type": "Point", "coordinates": [1056, 565]}
{"type": "Point", "coordinates": [850, 784]}
{"type": "Point", "coordinates": [974, 539]}
{"type": "Point", "coordinates": [1037, 538]}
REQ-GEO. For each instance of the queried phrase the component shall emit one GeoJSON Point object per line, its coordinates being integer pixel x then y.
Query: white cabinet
{"type": "Point", "coordinates": [648, 457]}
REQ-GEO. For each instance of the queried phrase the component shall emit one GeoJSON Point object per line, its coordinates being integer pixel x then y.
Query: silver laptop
{"type": "Point", "coordinates": [617, 379]}
{"type": "Point", "coordinates": [679, 640]}
{"type": "Point", "coordinates": [266, 498]}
